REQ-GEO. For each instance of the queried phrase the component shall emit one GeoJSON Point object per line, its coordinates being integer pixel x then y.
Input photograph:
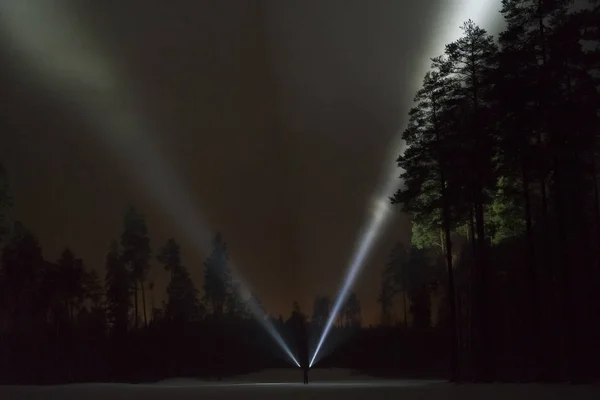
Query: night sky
{"type": "Point", "coordinates": [280, 119]}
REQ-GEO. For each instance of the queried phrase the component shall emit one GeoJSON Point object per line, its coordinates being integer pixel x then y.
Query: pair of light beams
{"type": "Point", "coordinates": [54, 49]}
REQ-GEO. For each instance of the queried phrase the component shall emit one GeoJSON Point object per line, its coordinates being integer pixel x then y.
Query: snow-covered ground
{"type": "Point", "coordinates": [286, 384]}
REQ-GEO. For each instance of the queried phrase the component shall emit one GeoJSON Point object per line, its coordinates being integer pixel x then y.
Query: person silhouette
{"type": "Point", "coordinates": [305, 370]}
{"type": "Point", "coordinates": [302, 344]}
{"type": "Point", "coordinates": [303, 347]}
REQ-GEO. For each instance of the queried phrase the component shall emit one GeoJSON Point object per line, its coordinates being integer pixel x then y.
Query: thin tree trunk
{"type": "Point", "coordinates": [144, 304]}
{"type": "Point", "coordinates": [595, 304]}
{"type": "Point", "coordinates": [472, 231]}
{"type": "Point", "coordinates": [455, 373]}
{"type": "Point", "coordinates": [596, 205]}
{"type": "Point", "coordinates": [447, 245]}
{"type": "Point", "coordinates": [152, 301]}
{"type": "Point", "coordinates": [70, 312]}
{"type": "Point", "coordinates": [472, 313]}
{"type": "Point", "coordinates": [568, 311]}
{"type": "Point", "coordinates": [71, 337]}
{"type": "Point", "coordinates": [484, 349]}
{"type": "Point", "coordinates": [405, 308]}
{"type": "Point", "coordinates": [542, 39]}
{"type": "Point", "coordinates": [135, 304]}
{"type": "Point", "coordinates": [532, 276]}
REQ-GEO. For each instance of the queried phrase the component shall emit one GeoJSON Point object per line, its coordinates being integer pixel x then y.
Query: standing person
{"type": "Point", "coordinates": [302, 343]}
{"type": "Point", "coordinates": [303, 346]}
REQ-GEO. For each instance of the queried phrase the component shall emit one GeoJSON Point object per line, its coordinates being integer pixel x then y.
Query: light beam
{"type": "Point", "coordinates": [374, 228]}
{"type": "Point", "coordinates": [55, 50]}
{"type": "Point", "coordinates": [459, 11]}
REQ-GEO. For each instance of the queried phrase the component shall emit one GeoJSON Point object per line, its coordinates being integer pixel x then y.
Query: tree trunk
{"type": "Point", "coordinates": [535, 341]}
{"type": "Point", "coordinates": [595, 303]}
{"type": "Point", "coordinates": [70, 311]}
{"type": "Point", "coordinates": [152, 300]}
{"type": "Point", "coordinates": [144, 303]}
{"type": "Point", "coordinates": [472, 231]}
{"type": "Point", "coordinates": [472, 313]}
{"type": "Point", "coordinates": [455, 345]}
{"type": "Point", "coordinates": [135, 305]}
{"type": "Point", "coordinates": [568, 310]}
{"type": "Point", "coordinates": [405, 309]}
{"type": "Point", "coordinates": [596, 204]}
{"type": "Point", "coordinates": [484, 349]}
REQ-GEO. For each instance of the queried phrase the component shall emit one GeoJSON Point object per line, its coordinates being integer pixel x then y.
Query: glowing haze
{"type": "Point", "coordinates": [459, 11]}
{"type": "Point", "coordinates": [54, 49]}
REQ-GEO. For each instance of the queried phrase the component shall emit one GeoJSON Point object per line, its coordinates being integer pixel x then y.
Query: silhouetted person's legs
{"type": "Point", "coordinates": [305, 376]}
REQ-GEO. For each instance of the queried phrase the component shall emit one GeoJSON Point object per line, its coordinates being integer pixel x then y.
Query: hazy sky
{"type": "Point", "coordinates": [280, 118]}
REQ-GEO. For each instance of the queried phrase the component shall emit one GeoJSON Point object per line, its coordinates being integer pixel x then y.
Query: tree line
{"type": "Point", "coordinates": [500, 177]}
{"type": "Point", "coordinates": [61, 322]}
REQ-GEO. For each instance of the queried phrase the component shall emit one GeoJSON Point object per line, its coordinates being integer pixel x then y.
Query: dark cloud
{"type": "Point", "coordinates": [278, 115]}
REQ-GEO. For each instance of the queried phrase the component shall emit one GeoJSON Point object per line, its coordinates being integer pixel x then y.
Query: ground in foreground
{"type": "Point", "coordinates": [286, 384]}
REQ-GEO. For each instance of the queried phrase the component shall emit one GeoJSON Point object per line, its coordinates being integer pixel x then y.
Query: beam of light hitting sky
{"type": "Point", "coordinates": [458, 12]}
{"type": "Point", "coordinates": [63, 59]}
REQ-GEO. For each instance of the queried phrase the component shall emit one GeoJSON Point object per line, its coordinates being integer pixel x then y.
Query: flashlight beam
{"type": "Point", "coordinates": [269, 327]}
{"type": "Point", "coordinates": [360, 256]}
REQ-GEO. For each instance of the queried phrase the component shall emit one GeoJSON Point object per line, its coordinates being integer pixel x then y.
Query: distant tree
{"type": "Point", "coordinates": [182, 296]}
{"type": "Point", "coordinates": [235, 305]}
{"type": "Point", "coordinates": [414, 273]}
{"type": "Point", "coordinates": [93, 290]}
{"type": "Point", "coordinates": [170, 256]}
{"type": "Point", "coordinates": [298, 318]}
{"type": "Point", "coordinates": [21, 274]}
{"type": "Point", "coordinates": [136, 255]}
{"type": "Point", "coordinates": [5, 204]}
{"type": "Point", "coordinates": [53, 289]}
{"type": "Point", "coordinates": [321, 310]}
{"type": "Point", "coordinates": [72, 273]}
{"type": "Point", "coordinates": [385, 300]}
{"type": "Point", "coordinates": [394, 279]}
{"type": "Point", "coordinates": [118, 291]}
{"type": "Point", "coordinates": [95, 315]}
{"type": "Point", "coordinates": [296, 308]}
{"type": "Point", "coordinates": [420, 276]}
{"type": "Point", "coordinates": [257, 303]}
{"type": "Point", "coordinates": [351, 311]}
{"type": "Point", "coordinates": [217, 276]}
